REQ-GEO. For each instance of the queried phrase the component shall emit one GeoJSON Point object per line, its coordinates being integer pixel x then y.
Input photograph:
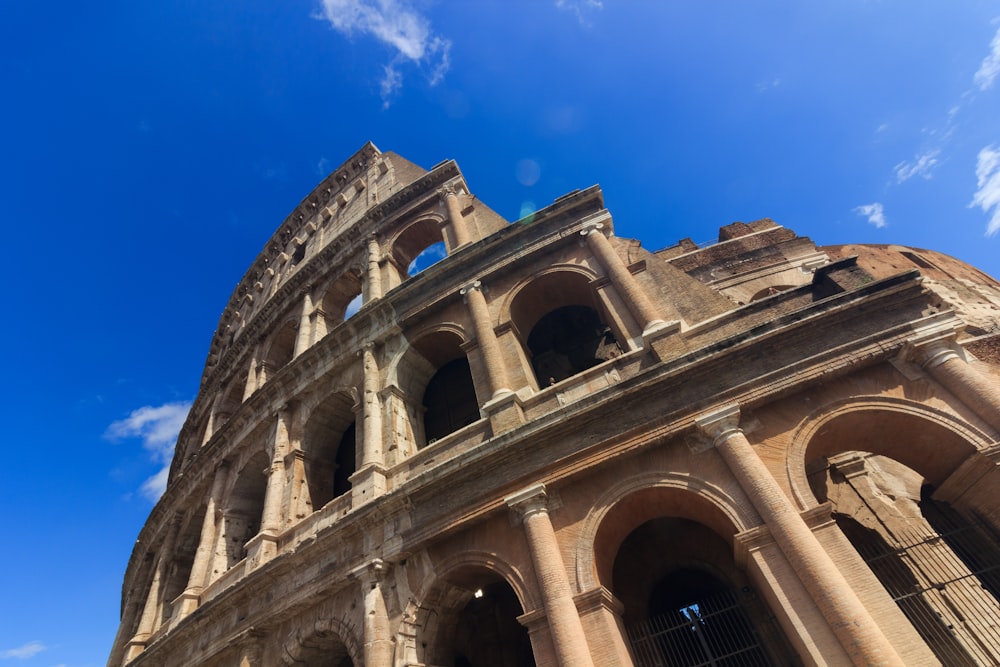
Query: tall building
{"type": "Point", "coordinates": [556, 447]}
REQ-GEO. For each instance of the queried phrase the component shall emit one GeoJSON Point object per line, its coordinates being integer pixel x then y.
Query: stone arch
{"type": "Point", "coordinates": [633, 501]}
{"type": "Point", "coordinates": [243, 509]}
{"type": "Point", "coordinates": [329, 448]}
{"type": "Point", "coordinates": [561, 323]}
{"type": "Point", "coordinates": [280, 349]}
{"type": "Point", "coordinates": [407, 243]}
{"type": "Point", "coordinates": [434, 378]}
{"type": "Point", "coordinates": [338, 295]}
{"type": "Point", "coordinates": [322, 642]}
{"type": "Point", "coordinates": [444, 597]}
{"type": "Point", "coordinates": [663, 545]}
{"type": "Point", "coordinates": [819, 433]}
{"type": "Point", "coordinates": [877, 463]}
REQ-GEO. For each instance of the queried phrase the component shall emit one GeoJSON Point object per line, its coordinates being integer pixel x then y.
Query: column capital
{"type": "Point", "coordinates": [591, 227]}
{"type": "Point", "coordinates": [528, 500]}
{"type": "Point", "coordinates": [446, 191]}
{"type": "Point", "coordinates": [932, 345]}
{"type": "Point", "coordinates": [720, 423]}
{"type": "Point", "coordinates": [475, 285]}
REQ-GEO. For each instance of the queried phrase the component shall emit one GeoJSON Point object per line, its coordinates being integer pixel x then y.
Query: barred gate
{"type": "Point", "coordinates": [945, 583]}
{"type": "Point", "coordinates": [714, 632]}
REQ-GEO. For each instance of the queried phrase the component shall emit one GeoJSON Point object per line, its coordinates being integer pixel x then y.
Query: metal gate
{"type": "Point", "coordinates": [714, 632]}
{"type": "Point", "coordinates": [945, 583]}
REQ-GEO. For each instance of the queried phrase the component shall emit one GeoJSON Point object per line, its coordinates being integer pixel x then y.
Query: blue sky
{"type": "Point", "coordinates": [149, 149]}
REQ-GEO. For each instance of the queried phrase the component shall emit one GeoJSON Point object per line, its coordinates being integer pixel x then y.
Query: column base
{"type": "Point", "coordinates": [664, 340]}
{"type": "Point", "coordinates": [261, 548]}
{"type": "Point", "coordinates": [135, 646]}
{"type": "Point", "coordinates": [504, 411]}
{"type": "Point", "coordinates": [367, 484]}
{"type": "Point", "coordinates": [184, 604]}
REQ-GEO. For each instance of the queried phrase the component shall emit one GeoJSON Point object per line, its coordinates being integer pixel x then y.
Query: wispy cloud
{"type": "Point", "coordinates": [158, 427]}
{"type": "Point", "coordinates": [399, 26]}
{"type": "Point", "coordinates": [987, 197]}
{"type": "Point", "coordinates": [874, 213]}
{"type": "Point", "coordinates": [990, 67]}
{"type": "Point", "coordinates": [921, 165]}
{"type": "Point", "coordinates": [23, 652]}
{"type": "Point", "coordinates": [580, 8]}
{"type": "Point", "coordinates": [429, 255]}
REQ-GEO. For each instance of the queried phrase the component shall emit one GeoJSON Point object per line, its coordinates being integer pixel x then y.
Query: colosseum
{"type": "Point", "coordinates": [555, 447]}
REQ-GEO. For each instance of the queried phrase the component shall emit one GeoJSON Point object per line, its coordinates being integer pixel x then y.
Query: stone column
{"type": "Point", "coordinates": [456, 220]}
{"type": "Point", "coordinates": [303, 335]}
{"type": "Point", "coordinates": [496, 373]}
{"type": "Point", "coordinates": [378, 637]}
{"type": "Point", "coordinates": [369, 480]}
{"type": "Point", "coordinates": [625, 283]}
{"type": "Point", "coordinates": [264, 546]}
{"type": "Point", "coordinates": [204, 555]}
{"type": "Point", "coordinates": [251, 385]}
{"type": "Point", "coordinates": [371, 408]}
{"type": "Point", "coordinates": [152, 609]}
{"type": "Point", "coordinates": [564, 622]}
{"type": "Point", "coordinates": [850, 621]}
{"type": "Point", "coordinates": [942, 361]}
{"type": "Point", "coordinates": [373, 275]}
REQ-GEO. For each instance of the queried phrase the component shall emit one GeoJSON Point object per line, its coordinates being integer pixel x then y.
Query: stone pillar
{"type": "Point", "coordinates": [496, 373]}
{"type": "Point", "coordinates": [854, 627]}
{"type": "Point", "coordinates": [459, 231]}
{"type": "Point", "coordinates": [251, 385]}
{"type": "Point", "coordinates": [942, 361]}
{"type": "Point", "coordinates": [378, 637]}
{"type": "Point", "coordinates": [373, 275]}
{"type": "Point", "coordinates": [625, 283]}
{"type": "Point", "coordinates": [369, 480]}
{"type": "Point", "coordinates": [251, 651]}
{"type": "Point", "coordinates": [303, 334]}
{"type": "Point", "coordinates": [371, 408]}
{"type": "Point", "coordinates": [264, 546]}
{"type": "Point", "coordinates": [152, 609]}
{"type": "Point", "coordinates": [564, 622]}
{"type": "Point", "coordinates": [204, 555]}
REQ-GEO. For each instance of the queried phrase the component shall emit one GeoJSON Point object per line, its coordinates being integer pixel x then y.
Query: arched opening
{"type": "Point", "coordinates": [336, 303]}
{"type": "Point", "coordinates": [449, 400]}
{"type": "Point", "coordinates": [686, 602]}
{"type": "Point", "coordinates": [476, 624]}
{"type": "Point", "coordinates": [280, 350]}
{"type": "Point", "coordinates": [329, 445]}
{"type": "Point", "coordinates": [229, 403]}
{"type": "Point", "coordinates": [567, 341]}
{"type": "Point", "coordinates": [177, 569]}
{"type": "Point", "coordinates": [324, 652]}
{"type": "Point", "coordinates": [561, 327]}
{"type": "Point", "coordinates": [436, 372]}
{"type": "Point", "coordinates": [417, 247]}
{"type": "Point", "coordinates": [940, 566]}
{"type": "Point", "coordinates": [242, 515]}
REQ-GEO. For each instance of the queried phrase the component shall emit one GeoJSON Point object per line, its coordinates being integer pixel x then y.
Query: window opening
{"type": "Point", "coordinates": [430, 255]}
{"type": "Point", "coordinates": [567, 341]}
{"type": "Point", "coordinates": [449, 400]}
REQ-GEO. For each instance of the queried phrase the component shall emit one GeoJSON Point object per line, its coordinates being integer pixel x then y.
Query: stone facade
{"type": "Point", "coordinates": [555, 447]}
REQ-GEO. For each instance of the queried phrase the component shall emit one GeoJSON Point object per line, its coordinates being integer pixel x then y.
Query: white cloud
{"type": "Point", "coordinates": [874, 213]}
{"type": "Point", "coordinates": [987, 197]}
{"type": "Point", "coordinates": [921, 165]}
{"type": "Point", "coordinates": [990, 67]}
{"type": "Point", "coordinates": [429, 255]}
{"type": "Point", "coordinates": [580, 8]}
{"type": "Point", "coordinates": [158, 427]}
{"type": "Point", "coordinates": [23, 652]}
{"type": "Point", "coordinates": [397, 25]}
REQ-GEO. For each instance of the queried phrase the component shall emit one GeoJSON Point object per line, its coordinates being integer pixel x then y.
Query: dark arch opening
{"type": "Point", "coordinates": [687, 603]}
{"type": "Point", "coordinates": [487, 633]}
{"type": "Point", "coordinates": [567, 341]}
{"type": "Point", "coordinates": [330, 445]}
{"type": "Point", "coordinates": [449, 400]}
{"type": "Point", "coordinates": [345, 462]}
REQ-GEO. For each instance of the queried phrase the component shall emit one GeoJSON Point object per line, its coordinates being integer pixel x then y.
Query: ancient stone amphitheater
{"type": "Point", "coordinates": [555, 447]}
